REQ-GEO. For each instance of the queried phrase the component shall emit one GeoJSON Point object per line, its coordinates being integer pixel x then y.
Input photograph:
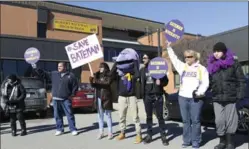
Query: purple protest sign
{"type": "Point", "coordinates": [158, 68]}
{"type": "Point", "coordinates": [32, 55]}
{"type": "Point", "coordinates": [174, 30]}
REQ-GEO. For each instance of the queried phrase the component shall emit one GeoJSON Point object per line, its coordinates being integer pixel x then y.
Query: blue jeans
{"type": "Point", "coordinates": [190, 112]}
{"type": "Point", "coordinates": [59, 107]}
{"type": "Point", "coordinates": [101, 113]}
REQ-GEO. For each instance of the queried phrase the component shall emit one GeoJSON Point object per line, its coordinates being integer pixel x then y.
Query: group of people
{"type": "Point", "coordinates": [223, 76]}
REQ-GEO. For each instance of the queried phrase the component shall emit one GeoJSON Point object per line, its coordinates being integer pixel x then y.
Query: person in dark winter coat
{"type": "Point", "coordinates": [227, 84]}
{"type": "Point", "coordinates": [102, 82]}
{"type": "Point", "coordinates": [152, 94]}
{"type": "Point", "coordinates": [13, 95]}
{"type": "Point", "coordinates": [64, 86]}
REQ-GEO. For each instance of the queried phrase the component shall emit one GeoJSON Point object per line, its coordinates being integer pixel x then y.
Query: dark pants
{"type": "Point", "coordinates": [154, 102]}
{"type": "Point", "coordinates": [20, 116]}
{"type": "Point", "coordinates": [59, 107]}
{"type": "Point", "coordinates": [190, 112]}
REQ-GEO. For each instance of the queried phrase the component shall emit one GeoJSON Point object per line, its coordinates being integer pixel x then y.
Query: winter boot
{"type": "Point", "coordinates": [222, 144]}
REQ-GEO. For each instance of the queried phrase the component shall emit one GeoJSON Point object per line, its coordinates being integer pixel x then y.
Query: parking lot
{"type": "Point", "coordinates": [41, 135]}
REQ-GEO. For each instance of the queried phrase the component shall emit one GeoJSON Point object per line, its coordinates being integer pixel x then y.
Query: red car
{"type": "Point", "coordinates": [84, 98]}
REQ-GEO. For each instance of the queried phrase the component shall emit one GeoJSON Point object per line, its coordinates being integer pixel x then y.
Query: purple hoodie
{"type": "Point", "coordinates": [215, 65]}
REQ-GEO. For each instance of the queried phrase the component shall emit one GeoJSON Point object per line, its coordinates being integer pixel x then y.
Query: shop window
{"type": "Point", "coordinates": [41, 30]}
{"type": "Point", "coordinates": [23, 69]}
{"type": "Point", "coordinates": [9, 67]}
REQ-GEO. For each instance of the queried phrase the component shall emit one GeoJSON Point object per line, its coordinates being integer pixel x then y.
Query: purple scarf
{"type": "Point", "coordinates": [215, 65]}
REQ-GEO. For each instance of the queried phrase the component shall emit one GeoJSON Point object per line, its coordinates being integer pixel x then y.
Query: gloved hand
{"type": "Point", "coordinates": [196, 95]}
{"type": "Point", "coordinates": [34, 66]}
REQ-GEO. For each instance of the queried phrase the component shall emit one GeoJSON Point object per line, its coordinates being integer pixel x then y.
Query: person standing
{"type": "Point", "coordinates": [101, 81]}
{"type": "Point", "coordinates": [64, 86]}
{"type": "Point", "coordinates": [127, 75]}
{"type": "Point", "coordinates": [227, 84]}
{"type": "Point", "coordinates": [13, 95]}
{"type": "Point", "coordinates": [152, 94]}
{"type": "Point", "coordinates": [194, 81]}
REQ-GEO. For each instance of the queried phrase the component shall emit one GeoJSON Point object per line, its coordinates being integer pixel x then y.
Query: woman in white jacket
{"type": "Point", "coordinates": [194, 81]}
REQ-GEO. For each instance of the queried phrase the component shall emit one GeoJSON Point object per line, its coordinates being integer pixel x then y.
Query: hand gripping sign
{"type": "Point", "coordinates": [174, 30]}
{"type": "Point", "coordinates": [158, 68]}
{"type": "Point", "coordinates": [32, 55]}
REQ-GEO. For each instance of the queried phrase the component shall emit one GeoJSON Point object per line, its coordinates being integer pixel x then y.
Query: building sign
{"type": "Point", "coordinates": [75, 26]}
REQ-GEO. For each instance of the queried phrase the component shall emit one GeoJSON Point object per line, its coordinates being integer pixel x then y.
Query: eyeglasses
{"type": "Point", "coordinates": [145, 57]}
{"type": "Point", "coordinates": [188, 57]}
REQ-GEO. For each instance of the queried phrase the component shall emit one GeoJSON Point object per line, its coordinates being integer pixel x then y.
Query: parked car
{"type": "Point", "coordinates": [172, 109]}
{"type": "Point", "coordinates": [84, 98]}
{"type": "Point", "coordinates": [36, 97]}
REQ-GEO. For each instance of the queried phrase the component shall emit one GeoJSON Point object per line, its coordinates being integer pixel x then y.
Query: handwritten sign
{"type": "Point", "coordinates": [158, 68]}
{"type": "Point", "coordinates": [84, 51]}
{"type": "Point", "coordinates": [174, 30]}
{"type": "Point", "coordinates": [32, 55]}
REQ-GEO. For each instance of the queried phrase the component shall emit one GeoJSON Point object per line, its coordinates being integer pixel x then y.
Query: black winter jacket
{"type": "Point", "coordinates": [228, 85]}
{"type": "Point", "coordinates": [155, 89]}
{"type": "Point", "coordinates": [102, 83]}
{"type": "Point", "coordinates": [17, 102]}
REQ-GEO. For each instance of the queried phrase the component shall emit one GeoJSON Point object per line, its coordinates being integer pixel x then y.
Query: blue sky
{"type": "Point", "coordinates": [204, 18]}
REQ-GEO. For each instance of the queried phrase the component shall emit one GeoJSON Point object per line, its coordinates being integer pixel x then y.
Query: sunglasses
{"type": "Point", "coordinates": [188, 57]}
{"type": "Point", "coordinates": [145, 57]}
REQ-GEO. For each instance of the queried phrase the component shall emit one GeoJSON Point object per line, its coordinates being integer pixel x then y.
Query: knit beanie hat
{"type": "Point", "coordinates": [220, 47]}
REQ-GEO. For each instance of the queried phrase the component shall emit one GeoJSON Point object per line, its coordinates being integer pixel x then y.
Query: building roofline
{"type": "Point", "coordinates": [15, 3]}
{"type": "Point", "coordinates": [228, 31]}
{"type": "Point", "coordinates": [105, 12]}
{"type": "Point", "coordinates": [184, 34]}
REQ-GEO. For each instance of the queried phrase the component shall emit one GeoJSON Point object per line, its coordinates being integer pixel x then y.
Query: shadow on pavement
{"type": "Point", "coordinates": [92, 127]}
{"type": "Point", "coordinates": [210, 134]}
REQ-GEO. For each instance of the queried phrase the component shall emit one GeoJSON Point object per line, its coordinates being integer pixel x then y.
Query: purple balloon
{"type": "Point", "coordinates": [158, 68]}
{"type": "Point", "coordinates": [32, 55]}
{"type": "Point", "coordinates": [174, 30]}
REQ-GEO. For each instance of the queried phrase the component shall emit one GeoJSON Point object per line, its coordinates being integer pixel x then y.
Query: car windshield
{"type": "Point", "coordinates": [32, 83]}
{"type": "Point", "coordinates": [86, 86]}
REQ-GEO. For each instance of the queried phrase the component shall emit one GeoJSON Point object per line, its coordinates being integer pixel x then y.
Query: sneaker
{"type": "Point", "coordinates": [74, 133]}
{"type": "Point", "coordinates": [138, 139]}
{"type": "Point", "coordinates": [110, 136]}
{"type": "Point", "coordinates": [57, 133]}
{"type": "Point", "coordinates": [121, 136]}
{"type": "Point", "coordinates": [100, 136]}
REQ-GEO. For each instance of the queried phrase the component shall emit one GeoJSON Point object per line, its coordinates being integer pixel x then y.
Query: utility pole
{"type": "Point", "coordinates": [159, 43]}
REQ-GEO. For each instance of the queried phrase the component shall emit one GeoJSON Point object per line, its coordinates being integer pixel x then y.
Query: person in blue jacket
{"type": "Point", "coordinates": [64, 86]}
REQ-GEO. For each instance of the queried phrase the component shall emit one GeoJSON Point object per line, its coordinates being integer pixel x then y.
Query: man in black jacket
{"type": "Point", "coordinates": [13, 95]}
{"type": "Point", "coordinates": [152, 93]}
{"type": "Point", "coordinates": [64, 86]}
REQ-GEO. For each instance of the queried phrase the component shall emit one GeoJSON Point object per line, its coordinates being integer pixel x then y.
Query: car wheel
{"type": "Point", "coordinates": [243, 124]}
{"type": "Point", "coordinates": [166, 112]}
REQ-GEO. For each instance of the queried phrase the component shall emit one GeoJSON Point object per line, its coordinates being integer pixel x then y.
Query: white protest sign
{"type": "Point", "coordinates": [84, 51]}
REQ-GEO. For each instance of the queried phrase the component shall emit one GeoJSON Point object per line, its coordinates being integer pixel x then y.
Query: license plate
{"type": "Point", "coordinates": [27, 95]}
{"type": "Point", "coordinates": [89, 96]}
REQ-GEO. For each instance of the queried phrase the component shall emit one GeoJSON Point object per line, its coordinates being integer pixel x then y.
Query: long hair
{"type": "Point", "coordinates": [106, 68]}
